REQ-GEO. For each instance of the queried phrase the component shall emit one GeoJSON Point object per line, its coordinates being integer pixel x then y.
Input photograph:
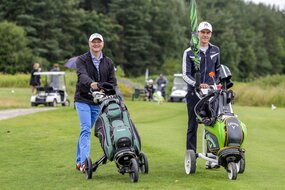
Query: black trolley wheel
{"type": "Point", "coordinates": [88, 168]}
{"type": "Point", "coordinates": [143, 163]}
{"type": "Point", "coordinates": [232, 170]}
{"type": "Point", "coordinates": [134, 170]}
{"type": "Point", "coordinates": [241, 166]}
{"type": "Point", "coordinates": [66, 103]}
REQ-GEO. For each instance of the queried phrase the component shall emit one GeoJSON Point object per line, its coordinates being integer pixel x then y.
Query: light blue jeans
{"type": "Point", "coordinates": [87, 116]}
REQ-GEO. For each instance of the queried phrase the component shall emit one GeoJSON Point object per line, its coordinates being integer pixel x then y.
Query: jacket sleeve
{"type": "Point", "coordinates": [81, 71]}
{"type": "Point", "coordinates": [217, 67]}
{"type": "Point", "coordinates": [112, 78]}
{"type": "Point", "coordinates": [186, 68]}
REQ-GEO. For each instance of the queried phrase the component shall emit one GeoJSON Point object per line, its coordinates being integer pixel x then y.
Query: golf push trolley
{"type": "Point", "coordinates": [118, 136]}
{"type": "Point", "coordinates": [224, 133]}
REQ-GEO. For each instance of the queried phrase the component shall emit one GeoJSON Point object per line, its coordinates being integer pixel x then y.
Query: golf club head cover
{"type": "Point", "coordinates": [108, 88]}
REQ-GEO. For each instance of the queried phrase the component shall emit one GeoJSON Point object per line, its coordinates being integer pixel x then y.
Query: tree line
{"type": "Point", "coordinates": [140, 34]}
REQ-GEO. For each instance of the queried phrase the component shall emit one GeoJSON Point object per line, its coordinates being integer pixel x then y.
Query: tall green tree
{"type": "Point", "coordinates": [232, 57]}
{"type": "Point", "coordinates": [151, 32]}
{"type": "Point", "coordinates": [133, 16]}
{"type": "Point", "coordinates": [14, 54]}
{"type": "Point", "coordinates": [50, 25]}
{"type": "Point", "coordinates": [93, 22]}
{"type": "Point", "coordinates": [167, 31]}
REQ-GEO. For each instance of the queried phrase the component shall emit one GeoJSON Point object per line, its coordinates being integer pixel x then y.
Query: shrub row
{"type": "Point", "coordinates": [261, 92]}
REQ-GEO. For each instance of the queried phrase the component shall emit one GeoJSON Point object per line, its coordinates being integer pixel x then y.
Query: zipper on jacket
{"type": "Point", "coordinates": [205, 67]}
{"type": "Point", "coordinates": [98, 70]}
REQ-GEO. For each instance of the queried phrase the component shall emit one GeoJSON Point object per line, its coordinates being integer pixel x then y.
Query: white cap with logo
{"type": "Point", "coordinates": [95, 35]}
{"type": "Point", "coordinates": [205, 25]}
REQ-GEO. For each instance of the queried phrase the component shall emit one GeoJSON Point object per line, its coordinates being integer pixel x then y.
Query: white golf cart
{"type": "Point", "coordinates": [179, 89]}
{"type": "Point", "coordinates": [52, 91]}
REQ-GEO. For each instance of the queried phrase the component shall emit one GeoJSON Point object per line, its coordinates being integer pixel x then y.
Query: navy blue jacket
{"type": "Point", "coordinates": [210, 61]}
{"type": "Point", "coordinates": [88, 73]}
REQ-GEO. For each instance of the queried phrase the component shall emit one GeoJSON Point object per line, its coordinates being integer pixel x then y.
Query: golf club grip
{"type": "Point", "coordinates": [198, 79]}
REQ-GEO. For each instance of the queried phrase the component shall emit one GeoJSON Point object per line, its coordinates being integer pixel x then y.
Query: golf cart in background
{"type": "Point", "coordinates": [179, 89]}
{"type": "Point", "coordinates": [52, 90]}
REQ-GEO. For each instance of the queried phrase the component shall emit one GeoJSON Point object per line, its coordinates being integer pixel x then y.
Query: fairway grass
{"type": "Point", "coordinates": [15, 97]}
{"type": "Point", "coordinates": [38, 151]}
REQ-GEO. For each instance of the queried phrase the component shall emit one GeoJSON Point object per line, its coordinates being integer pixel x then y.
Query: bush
{"type": "Point", "coordinates": [14, 54]}
{"type": "Point", "coordinates": [126, 86]}
{"type": "Point", "coordinates": [19, 80]}
{"type": "Point", "coordinates": [261, 92]}
{"type": "Point", "coordinates": [271, 81]}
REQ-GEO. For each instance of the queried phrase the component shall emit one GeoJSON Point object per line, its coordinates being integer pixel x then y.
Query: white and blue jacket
{"type": "Point", "coordinates": [209, 62]}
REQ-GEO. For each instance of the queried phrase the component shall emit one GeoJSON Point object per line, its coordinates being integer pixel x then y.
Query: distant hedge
{"type": "Point", "coordinates": [260, 92]}
{"type": "Point", "coordinates": [22, 81]}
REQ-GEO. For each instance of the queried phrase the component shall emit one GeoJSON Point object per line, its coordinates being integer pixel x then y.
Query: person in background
{"type": "Point", "coordinates": [149, 90]}
{"type": "Point", "coordinates": [55, 83]}
{"type": "Point", "coordinates": [161, 83]}
{"type": "Point", "coordinates": [209, 56]}
{"type": "Point", "coordinates": [35, 80]}
{"type": "Point", "coordinates": [55, 67]}
{"type": "Point", "coordinates": [92, 67]}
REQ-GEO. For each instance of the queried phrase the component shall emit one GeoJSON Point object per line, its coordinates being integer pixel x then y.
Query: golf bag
{"type": "Point", "coordinates": [117, 134]}
{"type": "Point", "coordinates": [224, 132]}
{"type": "Point", "coordinates": [116, 131]}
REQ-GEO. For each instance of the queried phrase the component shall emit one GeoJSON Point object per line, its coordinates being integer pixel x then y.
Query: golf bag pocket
{"type": "Point", "coordinates": [103, 131]}
{"type": "Point", "coordinates": [99, 128]}
{"type": "Point", "coordinates": [212, 142]}
{"type": "Point", "coordinates": [122, 136]}
{"type": "Point", "coordinates": [233, 130]}
{"type": "Point", "coordinates": [114, 111]}
{"type": "Point", "coordinates": [115, 129]}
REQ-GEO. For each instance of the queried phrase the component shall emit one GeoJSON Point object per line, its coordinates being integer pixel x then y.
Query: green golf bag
{"type": "Point", "coordinates": [116, 131]}
{"type": "Point", "coordinates": [117, 134]}
{"type": "Point", "coordinates": [224, 132]}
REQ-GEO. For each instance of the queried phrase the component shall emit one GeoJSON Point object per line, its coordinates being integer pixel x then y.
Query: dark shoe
{"type": "Point", "coordinates": [78, 165]}
{"type": "Point", "coordinates": [197, 155]}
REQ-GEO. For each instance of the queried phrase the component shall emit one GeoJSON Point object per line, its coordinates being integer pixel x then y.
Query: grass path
{"type": "Point", "coordinates": [11, 113]}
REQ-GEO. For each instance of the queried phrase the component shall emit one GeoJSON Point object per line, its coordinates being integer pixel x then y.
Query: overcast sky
{"type": "Point", "coordinates": [280, 3]}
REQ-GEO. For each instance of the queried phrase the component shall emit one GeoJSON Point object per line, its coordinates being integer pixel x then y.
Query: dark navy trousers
{"type": "Point", "coordinates": [191, 100]}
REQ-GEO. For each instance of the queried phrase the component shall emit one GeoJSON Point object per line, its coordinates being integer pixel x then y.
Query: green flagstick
{"type": "Point", "coordinates": [194, 43]}
{"type": "Point", "coordinates": [193, 16]}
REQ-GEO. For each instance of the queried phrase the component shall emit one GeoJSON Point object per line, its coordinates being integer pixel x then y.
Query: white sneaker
{"type": "Point", "coordinates": [211, 165]}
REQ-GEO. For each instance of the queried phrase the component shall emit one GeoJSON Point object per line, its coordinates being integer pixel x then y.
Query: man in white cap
{"type": "Point", "coordinates": [92, 67]}
{"type": "Point", "coordinates": [209, 56]}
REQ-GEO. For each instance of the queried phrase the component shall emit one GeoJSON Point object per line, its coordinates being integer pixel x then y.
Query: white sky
{"type": "Point", "coordinates": [280, 3]}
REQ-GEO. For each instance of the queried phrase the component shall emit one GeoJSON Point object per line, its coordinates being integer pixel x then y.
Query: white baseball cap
{"type": "Point", "coordinates": [95, 35]}
{"type": "Point", "coordinates": [205, 25]}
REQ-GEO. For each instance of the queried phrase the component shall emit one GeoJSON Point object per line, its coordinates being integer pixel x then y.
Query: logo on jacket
{"type": "Point", "coordinates": [193, 57]}
{"type": "Point", "coordinates": [212, 56]}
